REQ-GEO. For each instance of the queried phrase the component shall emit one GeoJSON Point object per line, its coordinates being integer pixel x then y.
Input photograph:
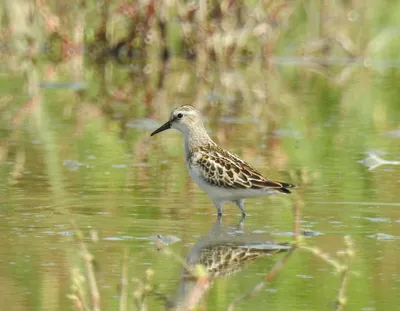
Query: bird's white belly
{"type": "Point", "coordinates": [225, 194]}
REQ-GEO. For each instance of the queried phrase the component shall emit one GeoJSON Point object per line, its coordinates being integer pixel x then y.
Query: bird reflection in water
{"type": "Point", "coordinates": [222, 252]}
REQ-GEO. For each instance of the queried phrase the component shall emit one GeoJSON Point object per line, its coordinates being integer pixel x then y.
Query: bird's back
{"type": "Point", "coordinates": [221, 168]}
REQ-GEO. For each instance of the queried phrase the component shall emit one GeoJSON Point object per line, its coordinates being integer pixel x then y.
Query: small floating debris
{"type": "Point", "coordinates": [72, 164]}
{"type": "Point", "coordinates": [304, 232]}
{"type": "Point", "coordinates": [308, 233]}
{"type": "Point", "coordinates": [374, 160]}
{"type": "Point", "coordinates": [63, 85]}
{"type": "Point", "coordinates": [165, 239]}
{"type": "Point", "coordinates": [143, 124]}
{"type": "Point", "coordinates": [66, 233]}
{"type": "Point", "coordinates": [259, 231]}
{"type": "Point", "coordinates": [394, 133]}
{"type": "Point", "coordinates": [377, 219]}
{"type": "Point", "coordinates": [234, 120]}
{"type": "Point", "coordinates": [304, 276]}
{"type": "Point", "coordinates": [112, 238]}
{"type": "Point", "coordinates": [287, 133]}
{"type": "Point", "coordinates": [382, 236]}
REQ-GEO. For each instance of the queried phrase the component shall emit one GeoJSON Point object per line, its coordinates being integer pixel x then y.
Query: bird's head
{"type": "Point", "coordinates": [182, 119]}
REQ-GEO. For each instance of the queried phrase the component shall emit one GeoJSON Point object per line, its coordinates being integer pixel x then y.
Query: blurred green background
{"type": "Point", "coordinates": [306, 91]}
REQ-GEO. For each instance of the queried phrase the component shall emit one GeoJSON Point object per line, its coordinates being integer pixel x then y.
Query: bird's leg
{"type": "Point", "coordinates": [240, 204]}
{"type": "Point", "coordinates": [240, 225]}
{"type": "Point", "coordinates": [218, 206]}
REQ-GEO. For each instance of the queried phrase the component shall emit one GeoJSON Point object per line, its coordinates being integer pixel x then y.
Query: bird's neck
{"type": "Point", "coordinates": [196, 138]}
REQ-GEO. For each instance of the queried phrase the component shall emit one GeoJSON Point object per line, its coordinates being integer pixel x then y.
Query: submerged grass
{"type": "Point", "coordinates": [85, 292]}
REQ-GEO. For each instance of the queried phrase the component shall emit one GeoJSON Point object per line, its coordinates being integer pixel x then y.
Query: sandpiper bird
{"type": "Point", "coordinates": [221, 174]}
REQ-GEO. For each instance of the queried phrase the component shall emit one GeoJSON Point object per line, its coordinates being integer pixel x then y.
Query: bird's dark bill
{"type": "Point", "coordinates": [162, 128]}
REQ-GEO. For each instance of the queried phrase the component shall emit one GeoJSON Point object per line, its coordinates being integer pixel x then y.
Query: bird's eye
{"type": "Point", "coordinates": [180, 116]}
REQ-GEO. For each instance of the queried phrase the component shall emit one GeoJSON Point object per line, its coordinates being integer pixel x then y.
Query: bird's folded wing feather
{"type": "Point", "coordinates": [224, 169]}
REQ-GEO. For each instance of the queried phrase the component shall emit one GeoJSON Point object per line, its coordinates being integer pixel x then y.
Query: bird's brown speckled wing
{"type": "Point", "coordinates": [225, 260]}
{"type": "Point", "coordinates": [224, 169]}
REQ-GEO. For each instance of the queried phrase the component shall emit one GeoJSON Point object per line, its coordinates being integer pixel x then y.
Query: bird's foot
{"type": "Point", "coordinates": [241, 222]}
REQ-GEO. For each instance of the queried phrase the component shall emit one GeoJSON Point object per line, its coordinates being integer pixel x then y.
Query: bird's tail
{"type": "Point", "coordinates": [285, 187]}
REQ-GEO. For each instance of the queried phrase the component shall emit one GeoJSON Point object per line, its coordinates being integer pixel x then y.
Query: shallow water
{"type": "Point", "coordinates": [66, 163]}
